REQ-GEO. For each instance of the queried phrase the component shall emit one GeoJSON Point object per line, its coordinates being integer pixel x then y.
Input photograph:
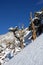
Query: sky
{"type": "Point", "coordinates": [17, 12]}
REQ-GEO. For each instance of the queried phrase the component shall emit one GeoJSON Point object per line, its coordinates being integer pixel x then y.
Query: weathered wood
{"type": "Point", "coordinates": [33, 31]}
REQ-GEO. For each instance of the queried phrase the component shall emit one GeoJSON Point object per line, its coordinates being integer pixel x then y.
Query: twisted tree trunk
{"type": "Point", "coordinates": [33, 31]}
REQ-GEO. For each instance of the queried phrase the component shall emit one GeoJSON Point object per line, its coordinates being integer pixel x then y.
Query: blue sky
{"type": "Point", "coordinates": [17, 12]}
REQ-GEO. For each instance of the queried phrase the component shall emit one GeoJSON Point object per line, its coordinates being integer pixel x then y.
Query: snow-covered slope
{"type": "Point", "coordinates": [30, 55]}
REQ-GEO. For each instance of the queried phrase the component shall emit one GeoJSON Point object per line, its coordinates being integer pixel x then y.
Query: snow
{"type": "Point", "coordinates": [35, 18]}
{"type": "Point", "coordinates": [11, 28]}
{"type": "Point", "coordinates": [27, 32]}
{"type": "Point", "coordinates": [39, 12]}
{"type": "Point", "coordinates": [27, 37]}
{"type": "Point", "coordinates": [30, 55]}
